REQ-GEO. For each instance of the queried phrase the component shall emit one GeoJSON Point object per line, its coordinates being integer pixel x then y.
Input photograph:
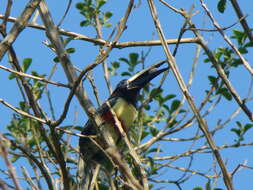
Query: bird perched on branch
{"type": "Point", "coordinates": [123, 102]}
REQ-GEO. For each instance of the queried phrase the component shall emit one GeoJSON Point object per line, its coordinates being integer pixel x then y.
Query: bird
{"type": "Point", "coordinates": [123, 102]}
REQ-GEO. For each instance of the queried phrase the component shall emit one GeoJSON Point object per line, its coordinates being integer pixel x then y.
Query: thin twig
{"type": "Point", "coordinates": [204, 149]}
{"type": "Point", "coordinates": [22, 112]}
{"type": "Point", "coordinates": [18, 26]}
{"type": "Point", "coordinates": [94, 87]}
{"type": "Point", "coordinates": [65, 13]}
{"type": "Point", "coordinates": [11, 169]}
{"type": "Point", "coordinates": [40, 165]}
{"type": "Point", "coordinates": [239, 166]}
{"type": "Point", "coordinates": [189, 170]}
{"type": "Point", "coordinates": [223, 28]}
{"type": "Point", "coordinates": [28, 179]}
{"type": "Point", "coordinates": [6, 15]}
{"type": "Point", "coordinates": [34, 77]}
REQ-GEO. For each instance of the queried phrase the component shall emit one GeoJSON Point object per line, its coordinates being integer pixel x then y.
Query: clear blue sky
{"type": "Point", "coordinates": [139, 27]}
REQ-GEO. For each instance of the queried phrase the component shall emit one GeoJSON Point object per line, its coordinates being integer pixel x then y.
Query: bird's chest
{"type": "Point", "coordinates": [126, 114]}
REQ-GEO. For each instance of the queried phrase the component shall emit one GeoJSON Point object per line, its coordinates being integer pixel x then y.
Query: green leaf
{"type": "Point", "coordinates": [153, 150]}
{"type": "Point", "coordinates": [14, 158]}
{"type": "Point", "coordinates": [56, 60]}
{"type": "Point", "coordinates": [213, 81]}
{"type": "Point", "coordinates": [144, 134]}
{"type": "Point", "coordinates": [206, 60]}
{"type": "Point", "coordinates": [197, 188]}
{"type": "Point", "coordinates": [175, 104]}
{"type": "Point", "coordinates": [134, 58]}
{"type": "Point", "coordinates": [71, 50]}
{"type": "Point", "coordinates": [153, 131]}
{"type": "Point", "coordinates": [236, 62]}
{"type": "Point", "coordinates": [249, 44]}
{"type": "Point", "coordinates": [247, 127]}
{"type": "Point", "coordinates": [108, 14]}
{"type": "Point", "coordinates": [225, 93]}
{"type": "Point", "coordinates": [78, 128]}
{"type": "Point", "coordinates": [168, 97]}
{"type": "Point", "coordinates": [125, 74]}
{"type": "Point", "coordinates": [115, 64]}
{"type": "Point", "coordinates": [147, 107]}
{"type": "Point", "coordinates": [238, 123]}
{"type": "Point", "coordinates": [243, 50]}
{"type": "Point", "coordinates": [79, 5]}
{"type": "Point", "coordinates": [85, 23]}
{"type": "Point", "coordinates": [154, 92]}
{"type": "Point", "coordinates": [221, 6]}
{"type": "Point", "coordinates": [124, 60]}
{"type": "Point", "coordinates": [208, 185]}
{"type": "Point", "coordinates": [26, 64]}
{"type": "Point", "coordinates": [11, 76]}
{"type": "Point", "coordinates": [236, 131]}
{"type": "Point", "coordinates": [100, 3]}
{"type": "Point", "coordinates": [240, 36]}
{"type": "Point", "coordinates": [166, 107]}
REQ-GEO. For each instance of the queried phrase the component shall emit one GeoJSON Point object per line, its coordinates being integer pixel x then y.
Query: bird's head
{"type": "Point", "coordinates": [129, 89]}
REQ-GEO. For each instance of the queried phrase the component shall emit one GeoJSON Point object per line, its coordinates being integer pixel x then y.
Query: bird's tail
{"type": "Point", "coordinates": [87, 175]}
{"type": "Point", "coordinates": [84, 176]}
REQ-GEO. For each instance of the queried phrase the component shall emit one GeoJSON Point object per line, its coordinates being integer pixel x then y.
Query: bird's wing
{"type": "Point", "coordinates": [88, 148]}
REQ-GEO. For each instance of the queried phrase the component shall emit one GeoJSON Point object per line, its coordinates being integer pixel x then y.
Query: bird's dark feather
{"type": "Point", "coordinates": [93, 152]}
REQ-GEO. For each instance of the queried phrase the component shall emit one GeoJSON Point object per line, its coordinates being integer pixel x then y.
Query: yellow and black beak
{"type": "Point", "coordinates": [140, 79]}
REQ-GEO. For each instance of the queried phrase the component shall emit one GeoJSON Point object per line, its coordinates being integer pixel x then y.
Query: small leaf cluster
{"type": "Point", "coordinates": [24, 131]}
{"type": "Point", "coordinates": [241, 130]}
{"type": "Point", "coordinates": [91, 10]}
{"type": "Point", "coordinates": [228, 60]}
{"type": "Point", "coordinates": [207, 187]}
{"type": "Point", "coordinates": [131, 61]}
{"type": "Point", "coordinates": [36, 85]}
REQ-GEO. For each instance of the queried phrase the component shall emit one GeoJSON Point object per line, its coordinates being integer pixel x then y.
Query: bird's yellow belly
{"type": "Point", "coordinates": [125, 111]}
{"type": "Point", "coordinates": [126, 114]}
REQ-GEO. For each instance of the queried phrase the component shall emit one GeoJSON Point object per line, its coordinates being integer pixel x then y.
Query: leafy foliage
{"type": "Point", "coordinates": [91, 10]}
{"type": "Point", "coordinates": [241, 130]}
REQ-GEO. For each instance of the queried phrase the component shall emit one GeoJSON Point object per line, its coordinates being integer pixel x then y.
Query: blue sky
{"type": "Point", "coordinates": [140, 27]}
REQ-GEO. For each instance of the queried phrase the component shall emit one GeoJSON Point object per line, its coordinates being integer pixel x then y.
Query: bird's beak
{"type": "Point", "coordinates": [145, 76]}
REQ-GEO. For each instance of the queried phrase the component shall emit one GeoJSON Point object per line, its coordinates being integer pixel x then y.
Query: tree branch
{"type": "Point", "coordinates": [202, 123]}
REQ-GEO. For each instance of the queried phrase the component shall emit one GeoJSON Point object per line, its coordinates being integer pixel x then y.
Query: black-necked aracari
{"type": "Point", "coordinates": [123, 101]}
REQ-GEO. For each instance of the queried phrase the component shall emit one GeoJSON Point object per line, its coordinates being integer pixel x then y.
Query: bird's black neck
{"type": "Point", "coordinates": [130, 96]}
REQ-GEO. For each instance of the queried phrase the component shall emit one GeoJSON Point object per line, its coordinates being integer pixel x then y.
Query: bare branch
{"type": "Point", "coordinates": [33, 77]}
{"type": "Point", "coordinates": [18, 26]}
{"type": "Point", "coordinates": [241, 166]}
{"type": "Point", "coordinates": [6, 15]}
{"type": "Point", "coordinates": [11, 169]}
{"type": "Point", "coordinates": [102, 42]}
{"type": "Point", "coordinates": [22, 112]}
